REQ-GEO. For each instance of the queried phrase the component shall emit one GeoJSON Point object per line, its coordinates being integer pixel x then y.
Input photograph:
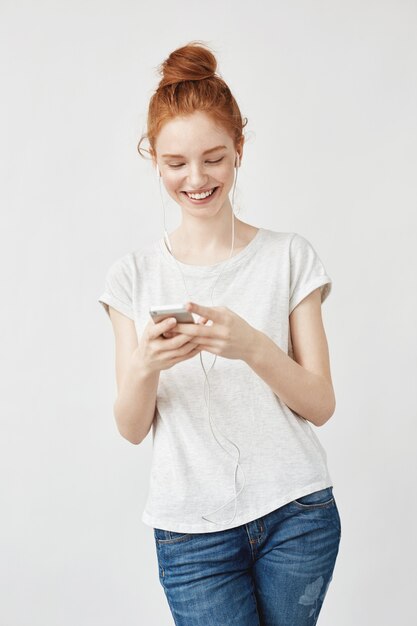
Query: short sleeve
{"type": "Point", "coordinates": [118, 288]}
{"type": "Point", "coordinates": [307, 272]}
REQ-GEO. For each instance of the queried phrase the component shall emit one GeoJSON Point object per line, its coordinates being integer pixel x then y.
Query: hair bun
{"type": "Point", "coordinates": [191, 83]}
{"type": "Point", "coordinates": [195, 61]}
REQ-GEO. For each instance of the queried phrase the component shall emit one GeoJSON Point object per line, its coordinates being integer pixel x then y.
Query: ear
{"type": "Point", "coordinates": [239, 148]}
{"type": "Point", "coordinates": [153, 157]}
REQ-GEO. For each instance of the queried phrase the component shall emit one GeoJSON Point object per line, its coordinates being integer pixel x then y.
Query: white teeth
{"type": "Point", "coordinates": [199, 196]}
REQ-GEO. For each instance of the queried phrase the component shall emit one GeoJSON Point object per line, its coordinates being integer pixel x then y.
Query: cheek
{"type": "Point", "coordinates": [227, 174]}
{"type": "Point", "coordinates": [173, 182]}
{"type": "Point", "coordinates": [170, 178]}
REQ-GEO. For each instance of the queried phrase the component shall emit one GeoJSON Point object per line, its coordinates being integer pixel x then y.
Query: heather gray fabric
{"type": "Point", "coordinates": [282, 458]}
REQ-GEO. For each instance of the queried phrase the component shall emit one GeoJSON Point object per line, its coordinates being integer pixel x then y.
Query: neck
{"type": "Point", "coordinates": [196, 236]}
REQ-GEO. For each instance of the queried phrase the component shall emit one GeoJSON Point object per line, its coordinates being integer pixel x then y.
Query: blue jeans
{"type": "Point", "coordinates": [273, 571]}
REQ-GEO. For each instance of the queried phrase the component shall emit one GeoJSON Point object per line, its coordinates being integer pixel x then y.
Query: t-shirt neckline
{"type": "Point", "coordinates": [194, 270]}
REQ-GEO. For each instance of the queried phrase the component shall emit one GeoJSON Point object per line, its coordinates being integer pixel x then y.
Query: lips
{"type": "Point", "coordinates": [201, 190]}
{"type": "Point", "coordinates": [203, 200]}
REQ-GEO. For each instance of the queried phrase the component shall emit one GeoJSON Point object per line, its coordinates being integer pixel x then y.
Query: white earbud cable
{"type": "Point", "coordinates": [201, 360]}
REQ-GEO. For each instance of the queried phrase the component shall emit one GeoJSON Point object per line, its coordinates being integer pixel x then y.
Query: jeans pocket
{"type": "Point", "coordinates": [169, 536]}
{"type": "Point", "coordinates": [316, 500]}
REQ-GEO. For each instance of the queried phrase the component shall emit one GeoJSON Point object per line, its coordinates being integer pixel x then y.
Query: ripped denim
{"type": "Point", "coordinates": [273, 570]}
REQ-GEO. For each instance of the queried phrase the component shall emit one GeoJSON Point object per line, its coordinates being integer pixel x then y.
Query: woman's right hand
{"type": "Point", "coordinates": [156, 352]}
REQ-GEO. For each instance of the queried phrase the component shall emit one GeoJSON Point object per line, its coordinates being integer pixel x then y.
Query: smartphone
{"type": "Point", "coordinates": [159, 313]}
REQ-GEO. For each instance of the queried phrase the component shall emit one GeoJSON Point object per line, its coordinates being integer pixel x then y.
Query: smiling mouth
{"type": "Point", "coordinates": [201, 200]}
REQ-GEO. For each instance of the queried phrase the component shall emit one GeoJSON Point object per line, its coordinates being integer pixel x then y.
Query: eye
{"type": "Point", "coordinates": [218, 161]}
{"type": "Point", "coordinates": [177, 165]}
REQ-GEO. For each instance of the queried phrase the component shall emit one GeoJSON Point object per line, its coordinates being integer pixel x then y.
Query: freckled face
{"type": "Point", "coordinates": [192, 165]}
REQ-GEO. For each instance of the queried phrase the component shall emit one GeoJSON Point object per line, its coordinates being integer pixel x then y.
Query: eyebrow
{"type": "Point", "coordinates": [180, 156]}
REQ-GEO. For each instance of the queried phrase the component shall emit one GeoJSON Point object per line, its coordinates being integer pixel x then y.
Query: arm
{"type": "Point", "coordinates": [134, 408]}
{"type": "Point", "coordinates": [303, 384]}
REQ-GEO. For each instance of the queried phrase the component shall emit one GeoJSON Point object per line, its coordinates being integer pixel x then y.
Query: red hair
{"type": "Point", "coordinates": [189, 83]}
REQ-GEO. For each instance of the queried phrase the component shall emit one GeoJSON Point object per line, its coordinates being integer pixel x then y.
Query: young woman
{"type": "Point", "coordinates": [256, 296]}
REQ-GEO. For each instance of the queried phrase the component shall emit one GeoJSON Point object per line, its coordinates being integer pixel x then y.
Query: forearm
{"type": "Point", "coordinates": [134, 407]}
{"type": "Point", "coordinates": [307, 394]}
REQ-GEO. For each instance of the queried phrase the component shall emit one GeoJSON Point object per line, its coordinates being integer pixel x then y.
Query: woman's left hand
{"type": "Point", "coordinates": [229, 335]}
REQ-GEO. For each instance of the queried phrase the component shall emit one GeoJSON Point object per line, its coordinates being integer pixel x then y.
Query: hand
{"type": "Point", "coordinates": [155, 353]}
{"type": "Point", "coordinates": [229, 335]}
{"type": "Point", "coordinates": [201, 320]}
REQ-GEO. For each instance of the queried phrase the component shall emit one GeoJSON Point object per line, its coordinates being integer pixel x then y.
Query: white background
{"type": "Point", "coordinates": [329, 89]}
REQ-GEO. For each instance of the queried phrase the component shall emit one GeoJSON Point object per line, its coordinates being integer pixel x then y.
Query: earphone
{"type": "Point", "coordinates": [166, 239]}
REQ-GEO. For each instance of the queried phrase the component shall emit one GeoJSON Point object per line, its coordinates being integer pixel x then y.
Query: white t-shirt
{"type": "Point", "coordinates": [281, 456]}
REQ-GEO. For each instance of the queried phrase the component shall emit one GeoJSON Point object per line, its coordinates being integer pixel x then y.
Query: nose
{"type": "Point", "coordinates": [197, 178]}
